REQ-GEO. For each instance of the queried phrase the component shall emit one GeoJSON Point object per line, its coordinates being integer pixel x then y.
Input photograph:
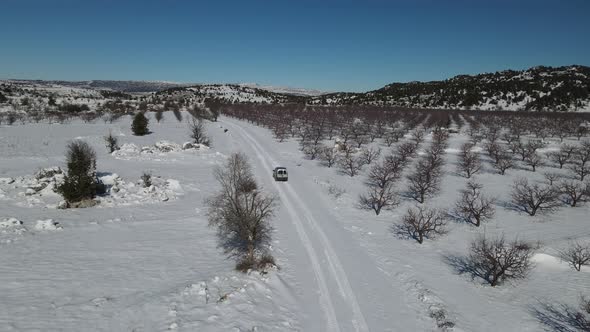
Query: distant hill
{"type": "Point", "coordinates": [155, 86]}
{"type": "Point", "coordinates": [535, 89]}
{"type": "Point", "coordinates": [538, 88]}
{"type": "Point", "coordinates": [122, 86]}
{"type": "Point", "coordinates": [233, 93]}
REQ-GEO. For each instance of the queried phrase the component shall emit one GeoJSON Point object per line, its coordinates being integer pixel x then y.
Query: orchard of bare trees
{"type": "Point", "coordinates": [402, 157]}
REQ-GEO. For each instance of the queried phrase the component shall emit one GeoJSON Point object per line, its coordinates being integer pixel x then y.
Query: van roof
{"type": "Point", "coordinates": [280, 167]}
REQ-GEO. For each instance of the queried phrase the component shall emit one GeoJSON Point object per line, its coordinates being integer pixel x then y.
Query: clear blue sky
{"type": "Point", "coordinates": [328, 45]}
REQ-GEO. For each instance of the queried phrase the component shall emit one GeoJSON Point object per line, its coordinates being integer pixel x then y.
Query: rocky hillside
{"type": "Point", "coordinates": [538, 88]}
{"type": "Point", "coordinates": [121, 86]}
{"type": "Point", "coordinates": [232, 93]}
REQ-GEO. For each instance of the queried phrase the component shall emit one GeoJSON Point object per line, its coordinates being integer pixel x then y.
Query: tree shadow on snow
{"type": "Point", "coordinates": [560, 317]}
{"type": "Point", "coordinates": [463, 265]}
{"type": "Point", "coordinates": [511, 206]}
{"type": "Point", "coordinates": [454, 216]}
{"type": "Point", "coordinates": [401, 232]}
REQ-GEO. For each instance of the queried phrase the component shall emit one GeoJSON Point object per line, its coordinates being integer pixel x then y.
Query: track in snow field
{"type": "Point", "coordinates": [293, 203]}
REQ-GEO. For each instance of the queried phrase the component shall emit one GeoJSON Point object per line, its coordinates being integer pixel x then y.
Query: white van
{"type": "Point", "coordinates": [280, 174]}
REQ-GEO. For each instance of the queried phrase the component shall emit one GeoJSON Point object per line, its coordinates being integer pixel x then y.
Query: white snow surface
{"type": "Point", "coordinates": [140, 262]}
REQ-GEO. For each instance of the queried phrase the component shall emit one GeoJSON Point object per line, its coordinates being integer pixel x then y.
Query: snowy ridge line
{"type": "Point", "coordinates": [325, 300]}
{"type": "Point", "coordinates": [334, 263]}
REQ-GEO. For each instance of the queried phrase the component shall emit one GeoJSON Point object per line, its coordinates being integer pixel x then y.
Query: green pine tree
{"type": "Point", "coordinates": [140, 125]}
{"type": "Point", "coordinates": [80, 181]}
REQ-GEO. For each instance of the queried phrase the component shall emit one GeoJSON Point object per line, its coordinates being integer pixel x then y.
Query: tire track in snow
{"type": "Point", "coordinates": [325, 300]}
{"type": "Point", "coordinates": [334, 264]}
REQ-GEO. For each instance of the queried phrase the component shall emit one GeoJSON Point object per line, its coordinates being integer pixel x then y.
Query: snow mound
{"type": "Point", "coordinates": [219, 303]}
{"type": "Point", "coordinates": [9, 223]}
{"type": "Point", "coordinates": [46, 174]}
{"type": "Point", "coordinates": [47, 225]}
{"type": "Point", "coordinates": [123, 193]}
{"type": "Point", "coordinates": [162, 148]}
{"type": "Point", "coordinates": [6, 180]}
{"type": "Point", "coordinates": [33, 190]}
{"type": "Point", "coordinates": [11, 229]}
{"type": "Point", "coordinates": [40, 189]}
{"type": "Point", "coordinates": [549, 262]}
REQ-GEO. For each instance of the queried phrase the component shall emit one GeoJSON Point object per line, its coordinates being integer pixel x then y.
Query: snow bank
{"type": "Point", "coordinates": [219, 305]}
{"type": "Point", "coordinates": [47, 225]}
{"type": "Point", "coordinates": [40, 190]}
{"type": "Point", "coordinates": [9, 223]}
{"type": "Point", "coordinates": [130, 151]}
{"type": "Point", "coordinates": [33, 190]}
{"type": "Point", "coordinates": [6, 180]}
{"type": "Point", "coordinates": [121, 192]}
{"type": "Point", "coordinates": [11, 229]}
{"type": "Point", "coordinates": [548, 262]}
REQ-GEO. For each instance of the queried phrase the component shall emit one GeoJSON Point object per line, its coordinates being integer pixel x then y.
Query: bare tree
{"type": "Point", "coordinates": [381, 193]}
{"type": "Point", "coordinates": [395, 164]}
{"type": "Point", "coordinates": [423, 223]}
{"type": "Point", "coordinates": [392, 136]}
{"type": "Point", "coordinates": [280, 131]}
{"type": "Point", "coordinates": [585, 306]}
{"type": "Point", "coordinates": [581, 160]}
{"type": "Point", "coordinates": [424, 181]}
{"type": "Point", "coordinates": [198, 132]}
{"type": "Point", "coordinates": [370, 154]}
{"type": "Point", "coordinates": [509, 138]}
{"type": "Point", "coordinates": [361, 140]}
{"type": "Point", "coordinates": [580, 169]}
{"type": "Point", "coordinates": [560, 157]}
{"type": "Point", "coordinates": [406, 150]}
{"type": "Point", "coordinates": [418, 135]}
{"type": "Point", "coordinates": [575, 191]}
{"type": "Point", "coordinates": [514, 146]}
{"type": "Point", "coordinates": [496, 260]}
{"type": "Point", "coordinates": [474, 207]}
{"type": "Point", "coordinates": [567, 149]}
{"type": "Point", "coordinates": [503, 162]}
{"type": "Point", "coordinates": [533, 198]}
{"type": "Point", "coordinates": [534, 160]}
{"type": "Point", "coordinates": [469, 161]}
{"type": "Point", "coordinates": [523, 151]}
{"type": "Point", "coordinates": [241, 211]}
{"type": "Point", "coordinates": [577, 255]}
{"type": "Point", "coordinates": [492, 149]}
{"type": "Point", "coordinates": [529, 148]}
{"type": "Point", "coordinates": [493, 132]}
{"type": "Point", "coordinates": [552, 177]}
{"type": "Point", "coordinates": [312, 151]}
{"type": "Point", "coordinates": [328, 155]}
{"type": "Point", "coordinates": [351, 164]}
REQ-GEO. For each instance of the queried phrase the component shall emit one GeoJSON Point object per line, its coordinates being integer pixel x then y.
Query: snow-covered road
{"type": "Point", "coordinates": [353, 293]}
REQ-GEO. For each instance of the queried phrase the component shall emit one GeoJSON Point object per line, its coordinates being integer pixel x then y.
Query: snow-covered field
{"type": "Point", "coordinates": [145, 259]}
